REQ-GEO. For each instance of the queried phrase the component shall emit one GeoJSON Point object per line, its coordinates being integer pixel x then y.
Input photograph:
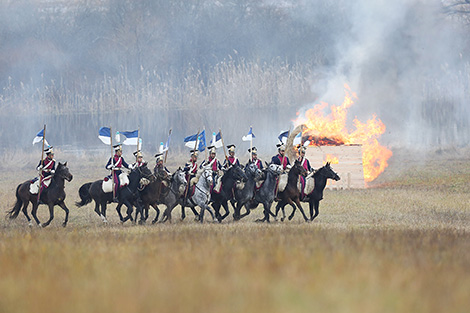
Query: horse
{"type": "Point", "coordinates": [267, 192]}
{"type": "Point", "coordinates": [233, 174]}
{"type": "Point", "coordinates": [171, 196]}
{"type": "Point", "coordinates": [127, 194]}
{"type": "Point", "coordinates": [291, 194]}
{"type": "Point", "coordinates": [320, 176]}
{"type": "Point", "coordinates": [202, 194]}
{"type": "Point", "coordinates": [52, 196]}
{"type": "Point", "coordinates": [243, 196]}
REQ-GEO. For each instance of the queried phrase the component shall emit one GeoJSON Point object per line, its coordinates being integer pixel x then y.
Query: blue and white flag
{"type": "Point", "coordinates": [298, 139]}
{"type": "Point", "coordinates": [196, 140]}
{"type": "Point", "coordinates": [249, 136]}
{"type": "Point", "coordinates": [216, 140]}
{"type": "Point", "coordinates": [104, 134]}
{"type": "Point", "coordinates": [202, 141]}
{"type": "Point", "coordinates": [39, 137]}
{"type": "Point", "coordinates": [283, 136]}
{"type": "Point", "coordinates": [131, 137]}
{"type": "Point", "coordinates": [167, 144]}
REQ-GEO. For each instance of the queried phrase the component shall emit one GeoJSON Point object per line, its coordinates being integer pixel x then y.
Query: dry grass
{"type": "Point", "coordinates": [403, 246]}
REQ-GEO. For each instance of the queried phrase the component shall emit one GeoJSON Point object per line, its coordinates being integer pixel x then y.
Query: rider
{"type": "Point", "coordinates": [212, 162]}
{"type": "Point", "coordinates": [160, 170]}
{"type": "Point", "coordinates": [115, 164]}
{"type": "Point", "coordinates": [305, 164]}
{"type": "Point", "coordinates": [254, 158]}
{"type": "Point", "coordinates": [190, 167]}
{"type": "Point", "coordinates": [46, 168]}
{"type": "Point", "coordinates": [281, 158]}
{"type": "Point", "coordinates": [231, 159]}
{"type": "Point", "coordinates": [139, 160]}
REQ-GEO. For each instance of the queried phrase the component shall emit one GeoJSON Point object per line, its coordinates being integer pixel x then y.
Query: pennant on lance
{"type": "Point", "coordinates": [283, 136]}
{"type": "Point", "coordinates": [39, 137]}
{"type": "Point", "coordinates": [104, 134]}
{"type": "Point", "coordinates": [216, 140]}
{"type": "Point", "coordinates": [131, 137]}
{"type": "Point", "coordinates": [249, 136]}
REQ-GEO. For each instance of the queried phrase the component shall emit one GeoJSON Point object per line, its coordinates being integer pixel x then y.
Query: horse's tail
{"type": "Point", "coordinates": [16, 209]}
{"type": "Point", "coordinates": [84, 193]}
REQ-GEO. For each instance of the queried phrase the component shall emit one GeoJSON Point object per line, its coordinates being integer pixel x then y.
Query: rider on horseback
{"type": "Point", "coordinates": [160, 170]}
{"type": "Point", "coordinates": [190, 168]}
{"type": "Point", "coordinates": [281, 158]}
{"type": "Point", "coordinates": [115, 164]}
{"type": "Point", "coordinates": [212, 163]}
{"type": "Point", "coordinates": [304, 162]}
{"type": "Point", "coordinates": [46, 168]}
{"type": "Point", "coordinates": [139, 160]}
{"type": "Point", "coordinates": [254, 158]}
{"type": "Point", "coordinates": [231, 159]}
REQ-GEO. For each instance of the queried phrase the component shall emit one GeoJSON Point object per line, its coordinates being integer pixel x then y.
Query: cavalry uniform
{"type": "Point", "coordinates": [160, 170]}
{"type": "Point", "coordinates": [46, 168]}
{"type": "Point", "coordinates": [213, 163]}
{"type": "Point", "coordinates": [231, 159]}
{"type": "Point", "coordinates": [254, 158]}
{"type": "Point", "coordinates": [280, 159]}
{"type": "Point", "coordinates": [306, 165]}
{"type": "Point", "coordinates": [190, 168]}
{"type": "Point", "coordinates": [139, 160]}
{"type": "Point", "coordinates": [115, 164]}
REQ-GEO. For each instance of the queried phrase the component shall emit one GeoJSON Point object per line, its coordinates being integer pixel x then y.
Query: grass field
{"type": "Point", "coordinates": [402, 245]}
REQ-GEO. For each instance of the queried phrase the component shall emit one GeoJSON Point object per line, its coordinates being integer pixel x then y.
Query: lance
{"type": "Point", "coordinates": [189, 174]}
{"type": "Point", "coordinates": [166, 152]}
{"type": "Point", "coordinates": [251, 145]}
{"type": "Point", "coordinates": [42, 162]}
{"type": "Point", "coordinates": [112, 159]}
{"type": "Point", "coordinates": [284, 156]}
{"type": "Point", "coordinates": [223, 145]}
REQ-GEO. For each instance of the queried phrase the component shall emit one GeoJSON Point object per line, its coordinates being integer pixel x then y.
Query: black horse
{"type": "Point", "coordinates": [291, 194]}
{"type": "Point", "coordinates": [172, 195]}
{"type": "Point", "coordinates": [127, 194]}
{"type": "Point", "coordinates": [51, 196]}
{"type": "Point", "coordinates": [243, 196]}
{"type": "Point", "coordinates": [232, 175]}
{"type": "Point", "coordinates": [321, 176]}
{"type": "Point", "coordinates": [267, 192]}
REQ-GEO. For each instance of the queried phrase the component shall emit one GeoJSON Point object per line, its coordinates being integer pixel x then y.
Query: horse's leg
{"type": "Point", "coordinates": [216, 207]}
{"type": "Point", "coordinates": [292, 204]}
{"type": "Point", "coordinates": [157, 211]}
{"type": "Point", "coordinates": [118, 209]}
{"type": "Point", "coordinates": [227, 211]}
{"type": "Point", "coordinates": [201, 214]}
{"type": "Point", "coordinates": [34, 212]}
{"type": "Point", "coordinates": [281, 205]}
{"type": "Point", "coordinates": [316, 205]}
{"type": "Point", "coordinates": [183, 212]}
{"type": "Point", "coordinates": [64, 207]}
{"type": "Point", "coordinates": [299, 205]}
{"type": "Point", "coordinates": [97, 208]}
{"type": "Point", "coordinates": [248, 211]}
{"type": "Point", "coordinates": [25, 211]}
{"type": "Point", "coordinates": [103, 211]}
{"type": "Point", "coordinates": [51, 215]}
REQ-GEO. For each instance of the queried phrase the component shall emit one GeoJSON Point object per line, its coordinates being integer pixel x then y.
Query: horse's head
{"type": "Point", "coordinates": [237, 173]}
{"type": "Point", "coordinates": [207, 175]}
{"type": "Point", "coordinates": [298, 169]}
{"type": "Point", "coordinates": [328, 172]}
{"type": "Point", "coordinates": [144, 172]}
{"type": "Point", "coordinates": [251, 170]}
{"type": "Point", "coordinates": [62, 171]}
{"type": "Point", "coordinates": [180, 178]}
{"type": "Point", "coordinates": [274, 169]}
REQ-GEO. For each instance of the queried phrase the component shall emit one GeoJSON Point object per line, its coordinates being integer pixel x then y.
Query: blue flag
{"type": "Point", "coordinates": [216, 140]}
{"type": "Point", "coordinates": [39, 136]}
{"type": "Point", "coordinates": [202, 141]}
{"type": "Point", "coordinates": [283, 136]}
{"type": "Point", "coordinates": [131, 137]}
{"type": "Point", "coordinates": [250, 136]}
{"type": "Point", "coordinates": [104, 134]}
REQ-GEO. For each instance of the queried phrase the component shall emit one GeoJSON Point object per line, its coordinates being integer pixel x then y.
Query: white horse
{"type": "Point", "coordinates": [202, 193]}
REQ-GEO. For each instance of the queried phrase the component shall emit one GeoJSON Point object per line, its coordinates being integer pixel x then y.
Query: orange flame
{"type": "Point", "coordinates": [331, 158]}
{"type": "Point", "coordinates": [331, 130]}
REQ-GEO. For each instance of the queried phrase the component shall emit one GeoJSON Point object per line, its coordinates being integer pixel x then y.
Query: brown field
{"type": "Point", "coordinates": [402, 245]}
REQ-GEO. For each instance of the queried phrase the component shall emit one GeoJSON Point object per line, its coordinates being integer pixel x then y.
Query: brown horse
{"type": "Point", "coordinates": [291, 195]}
{"type": "Point", "coordinates": [51, 196]}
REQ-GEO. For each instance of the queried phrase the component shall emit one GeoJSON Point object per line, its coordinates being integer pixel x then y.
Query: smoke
{"type": "Point", "coordinates": [406, 61]}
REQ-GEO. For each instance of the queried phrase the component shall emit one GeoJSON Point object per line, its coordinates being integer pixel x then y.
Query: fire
{"type": "Point", "coordinates": [331, 129]}
{"type": "Point", "coordinates": [332, 159]}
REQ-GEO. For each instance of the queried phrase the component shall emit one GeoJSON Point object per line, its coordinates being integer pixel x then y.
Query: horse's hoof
{"type": "Point", "coordinates": [291, 217]}
{"type": "Point", "coordinates": [30, 224]}
{"type": "Point", "coordinates": [282, 219]}
{"type": "Point", "coordinates": [64, 224]}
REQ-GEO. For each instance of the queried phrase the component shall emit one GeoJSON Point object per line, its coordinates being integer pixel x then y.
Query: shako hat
{"type": "Point", "coordinates": [253, 150]}
{"type": "Point", "coordinates": [138, 154]}
{"type": "Point", "coordinates": [281, 147]}
{"type": "Point", "coordinates": [211, 149]}
{"type": "Point", "coordinates": [159, 156]}
{"type": "Point", "coordinates": [117, 147]}
{"type": "Point", "coordinates": [231, 148]}
{"type": "Point", "coordinates": [49, 150]}
{"type": "Point", "coordinates": [194, 152]}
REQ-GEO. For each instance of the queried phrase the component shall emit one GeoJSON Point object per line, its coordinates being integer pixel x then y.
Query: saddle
{"type": "Point", "coordinates": [307, 187]}
{"type": "Point", "coordinates": [282, 182]}
{"type": "Point", "coordinates": [34, 185]}
{"type": "Point", "coordinates": [218, 185]}
{"type": "Point", "coordinates": [107, 184]}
